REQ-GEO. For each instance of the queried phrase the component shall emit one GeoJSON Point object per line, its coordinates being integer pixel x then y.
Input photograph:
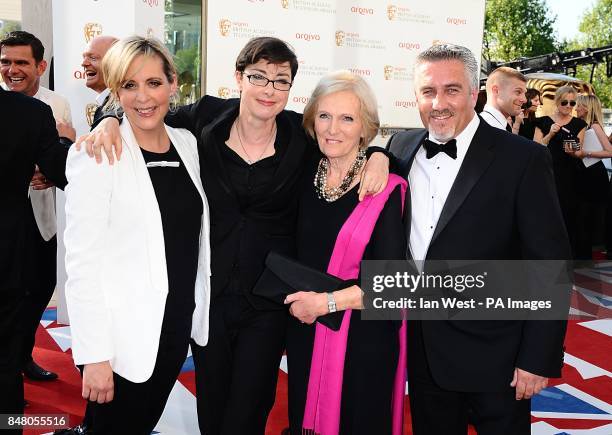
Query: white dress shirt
{"type": "Point", "coordinates": [430, 181]}
{"type": "Point", "coordinates": [43, 201]}
{"type": "Point", "coordinates": [494, 117]}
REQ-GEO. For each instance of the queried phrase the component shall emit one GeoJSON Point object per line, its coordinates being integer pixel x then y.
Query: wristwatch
{"type": "Point", "coordinates": [331, 302]}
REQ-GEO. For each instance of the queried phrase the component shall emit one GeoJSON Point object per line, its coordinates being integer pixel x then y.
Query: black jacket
{"type": "Point", "coordinates": [502, 206]}
{"type": "Point", "coordinates": [28, 137]}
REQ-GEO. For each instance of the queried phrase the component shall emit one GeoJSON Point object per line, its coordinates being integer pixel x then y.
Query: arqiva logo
{"type": "Point", "coordinates": [362, 11]}
{"type": "Point", "coordinates": [303, 100]}
{"type": "Point", "coordinates": [456, 21]}
{"type": "Point", "coordinates": [308, 36]}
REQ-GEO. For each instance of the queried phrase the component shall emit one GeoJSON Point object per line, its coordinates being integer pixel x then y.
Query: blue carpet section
{"type": "Point", "coordinates": [555, 400]}
{"type": "Point", "coordinates": [50, 314]}
{"type": "Point", "coordinates": [188, 365]}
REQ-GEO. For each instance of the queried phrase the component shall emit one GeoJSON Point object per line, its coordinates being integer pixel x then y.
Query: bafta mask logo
{"type": "Point", "coordinates": [150, 33]}
{"type": "Point", "coordinates": [223, 92]}
{"type": "Point", "coordinates": [225, 26]}
{"type": "Point", "coordinates": [340, 38]}
{"type": "Point", "coordinates": [391, 12]}
{"type": "Point", "coordinates": [388, 72]}
{"type": "Point", "coordinates": [438, 42]}
{"type": "Point", "coordinates": [285, 4]}
{"type": "Point", "coordinates": [90, 111]}
{"type": "Point", "coordinates": [384, 132]}
{"type": "Point", "coordinates": [91, 30]}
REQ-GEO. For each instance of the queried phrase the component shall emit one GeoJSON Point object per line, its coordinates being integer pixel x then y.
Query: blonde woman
{"type": "Point", "coordinates": [594, 183]}
{"type": "Point", "coordinates": [137, 249]}
{"type": "Point", "coordinates": [553, 131]}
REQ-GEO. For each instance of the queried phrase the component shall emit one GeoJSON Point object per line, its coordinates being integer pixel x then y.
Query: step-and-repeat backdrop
{"type": "Point", "coordinates": [375, 39]}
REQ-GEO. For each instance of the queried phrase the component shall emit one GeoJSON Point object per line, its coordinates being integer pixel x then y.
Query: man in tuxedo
{"type": "Point", "coordinates": [21, 148]}
{"type": "Point", "coordinates": [475, 193]}
{"type": "Point", "coordinates": [506, 89]}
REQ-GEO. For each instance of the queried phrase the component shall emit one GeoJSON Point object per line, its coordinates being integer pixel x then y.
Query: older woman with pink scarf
{"type": "Point", "coordinates": [349, 381]}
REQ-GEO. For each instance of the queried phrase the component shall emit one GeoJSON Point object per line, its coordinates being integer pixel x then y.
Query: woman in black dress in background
{"type": "Point", "coordinates": [594, 184]}
{"type": "Point", "coordinates": [342, 116]}
{"type": "Point", "coordinates": [553, 131]}
{"type": "Point", "coordinates": [528, 126]}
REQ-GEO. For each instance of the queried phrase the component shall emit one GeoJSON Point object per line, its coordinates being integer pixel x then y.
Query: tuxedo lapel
{"type": "Point", "coordinates": [478, 158]}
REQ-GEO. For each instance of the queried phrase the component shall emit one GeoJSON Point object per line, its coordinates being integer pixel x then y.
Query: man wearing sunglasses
{"type": "Point", "coordinates": [506, 89]}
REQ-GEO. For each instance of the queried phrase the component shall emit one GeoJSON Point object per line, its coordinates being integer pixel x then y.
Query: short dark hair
{"type": "Point", "coordinates": [19, 37]}
{"type": "Point", "coordinates": [532, 93]}
{"type": "Point", "coordinates": [272, 49]}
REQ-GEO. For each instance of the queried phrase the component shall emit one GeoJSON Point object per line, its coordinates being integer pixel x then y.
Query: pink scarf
{"type": "Point", "coordinates": [322, 413]}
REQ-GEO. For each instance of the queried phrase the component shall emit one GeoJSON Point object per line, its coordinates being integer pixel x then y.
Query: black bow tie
{"type": "Point", "coordinates": [432, 148]}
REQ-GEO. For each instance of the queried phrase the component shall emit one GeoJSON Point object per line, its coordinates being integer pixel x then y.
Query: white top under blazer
{"type": "Point", "coordinates": [115, 258]}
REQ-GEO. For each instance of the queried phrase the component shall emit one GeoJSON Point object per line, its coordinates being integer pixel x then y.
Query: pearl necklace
{"type": "Point", "coordinates": [270, 140]}
{"type": "Point", "coordinates": [332, 194]}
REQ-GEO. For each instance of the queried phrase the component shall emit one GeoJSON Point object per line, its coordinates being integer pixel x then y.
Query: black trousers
{"type": "Point", "coordinates": [237, 371]}
{"type": "Point", "coordinates": [436, 411]}
{"type": "Point", "coordinates": [43, 264]}
{"type": "Point", "coordinates": [369, 371]}
{"type": "Point", "coordinates": [11, 349]}
{"type": "Point", "coordinates": [137, 407]}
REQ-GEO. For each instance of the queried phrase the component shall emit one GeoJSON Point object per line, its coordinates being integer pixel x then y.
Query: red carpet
{"type": "Point", "coordinates": [585, 400]}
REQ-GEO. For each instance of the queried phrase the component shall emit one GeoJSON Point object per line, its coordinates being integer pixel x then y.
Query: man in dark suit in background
{"type": "Point", "coordinates": [29, 137]}
{"type": "Point", "coordinates": [475, 193]}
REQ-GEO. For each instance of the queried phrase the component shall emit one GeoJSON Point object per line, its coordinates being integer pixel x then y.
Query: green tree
{"type": "Point", "coordinates": [9, 26]}
{"type": "Point", "coordinates": [517, 28]}
{"type": "Point", "coordinates": [595, 31]}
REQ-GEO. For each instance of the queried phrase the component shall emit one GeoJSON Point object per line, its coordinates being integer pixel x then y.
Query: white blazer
{"type": "Point", "coordinates": [115, 258]}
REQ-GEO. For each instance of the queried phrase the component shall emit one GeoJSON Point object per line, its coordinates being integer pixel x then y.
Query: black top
{"type": "Point", "coordinates": [181, 210]}
{"type": "Point", "coordinates": [250, 181]}
{"type": "Point", "coordinates": [527, 129]}
{"type": "Point", "coordinates": [319, 223]}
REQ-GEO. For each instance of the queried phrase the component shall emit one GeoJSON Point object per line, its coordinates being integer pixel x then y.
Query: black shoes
{"type": "Point", "coordinates": [77, 430]}
{"type": "Point", "coordinates": [35, 372]}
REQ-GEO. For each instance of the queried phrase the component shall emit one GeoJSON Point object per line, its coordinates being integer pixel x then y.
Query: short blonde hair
{"type": "Point", "coordinates": [340, 81]}
{"type": "Point", "coordinates": [562, 92]}
{"type": "Point", "coordinates": [501, 74]}
{"type": "Point", "coordinates": [594, 113]}
{"type": "Point", "coordinates": [119, 58]}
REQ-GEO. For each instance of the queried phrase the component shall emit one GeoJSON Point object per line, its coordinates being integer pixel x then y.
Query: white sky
{"type": "Point", "coordinates": [568, 14]}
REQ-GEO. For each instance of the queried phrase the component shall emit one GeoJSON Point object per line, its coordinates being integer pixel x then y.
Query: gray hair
{"type": "Point", "coordinates": [339, 81]}
{"type": "Point", "coordinates": [441, 52]}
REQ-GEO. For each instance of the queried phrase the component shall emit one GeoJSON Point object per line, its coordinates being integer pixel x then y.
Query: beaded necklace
{"type": "Point", "coordinates": [332, 194]}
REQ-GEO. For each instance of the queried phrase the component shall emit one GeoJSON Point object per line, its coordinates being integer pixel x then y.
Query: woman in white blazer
{"type": "Point", "coordinates": [137, 249]}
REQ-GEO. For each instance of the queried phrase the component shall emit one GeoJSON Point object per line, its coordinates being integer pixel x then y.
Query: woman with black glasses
{"type": "Point", "coordinates": [560, 131]}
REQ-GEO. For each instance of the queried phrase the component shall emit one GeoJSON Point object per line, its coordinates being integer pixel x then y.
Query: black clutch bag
{"type": "Point", "coordinates": [284, 275]}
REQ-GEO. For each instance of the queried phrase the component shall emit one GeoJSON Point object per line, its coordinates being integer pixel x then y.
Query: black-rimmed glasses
{"type": "Point", "coordinates": [278, 84]}
{"type": "Point", "coordinates": [566, 102]}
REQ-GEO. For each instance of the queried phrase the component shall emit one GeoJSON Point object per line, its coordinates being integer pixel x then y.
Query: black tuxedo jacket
{"type": "Point", "coordinates": [28, 137]}
{"type": "Point", "coordinates": [241, 238]}
{"type": "Point", "coordinates": [502, 206]}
